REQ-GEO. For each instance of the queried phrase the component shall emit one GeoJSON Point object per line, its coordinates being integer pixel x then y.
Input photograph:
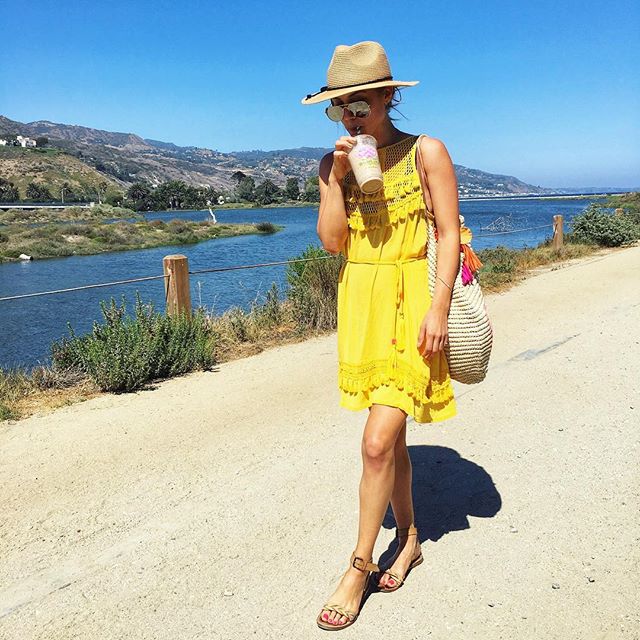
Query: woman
{"type": "Point", "coordinates": [391, 334]}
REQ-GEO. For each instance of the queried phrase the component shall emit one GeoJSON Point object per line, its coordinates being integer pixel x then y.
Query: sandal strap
{"type": "Point", "coordinates": [406, 531]}
{"type": "Point", "coordinates": [397, 578]}
{"type": "Point", "coordinates": [362, 564]}
{"type": "Point", "coordinates": [341, 610]}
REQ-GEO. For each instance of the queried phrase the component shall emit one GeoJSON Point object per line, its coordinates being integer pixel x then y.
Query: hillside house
{"type": "Point", "coordinates": [24, 141]}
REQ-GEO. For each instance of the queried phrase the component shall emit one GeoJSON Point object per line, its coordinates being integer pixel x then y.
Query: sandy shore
{"type": "Point", "coordinates": [223, 504]}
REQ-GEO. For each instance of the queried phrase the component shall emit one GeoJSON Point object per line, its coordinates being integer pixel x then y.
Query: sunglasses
{"type": "Point", "coordinates": [359, 109]}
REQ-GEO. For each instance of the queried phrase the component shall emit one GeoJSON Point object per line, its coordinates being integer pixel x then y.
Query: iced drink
{"type": "Point", "coordinates": [365, 164]}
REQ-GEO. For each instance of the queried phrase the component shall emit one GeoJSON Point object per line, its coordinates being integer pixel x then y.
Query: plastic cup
{"type": "Point", "coordinates": [365, 163]}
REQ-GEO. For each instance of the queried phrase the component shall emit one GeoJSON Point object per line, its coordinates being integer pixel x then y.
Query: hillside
{"type": "Point", "coordinates": [53, 168]}
{"type": "Point", "coordinates": [127, 158]}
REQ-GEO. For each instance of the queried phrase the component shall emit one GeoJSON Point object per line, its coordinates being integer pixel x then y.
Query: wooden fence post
{"type": "Point", "coordinates": [558, 236]}
{"type": "Point", "coordinates": [176, 287]}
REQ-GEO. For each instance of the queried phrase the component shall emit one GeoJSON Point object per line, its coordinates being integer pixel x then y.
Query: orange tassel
{"type": "Point", "coordinates": [470, 258]}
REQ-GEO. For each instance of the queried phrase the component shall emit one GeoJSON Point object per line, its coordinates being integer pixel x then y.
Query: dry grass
{"type": "Point", "coordinates": [526, 261]}
{"type": "Point", "coordinates": [46, 389]}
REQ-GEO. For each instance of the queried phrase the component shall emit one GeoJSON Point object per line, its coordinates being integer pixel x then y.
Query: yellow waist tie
{"type": "Point", "coordinates": [398, 341]}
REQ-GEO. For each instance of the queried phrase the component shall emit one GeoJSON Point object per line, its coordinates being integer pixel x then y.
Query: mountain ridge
{"type": "Point", "coordinates": [127, 158]}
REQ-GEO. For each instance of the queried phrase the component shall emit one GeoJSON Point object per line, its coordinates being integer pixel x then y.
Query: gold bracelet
{"type": "Point", "coordinates": [441, 280]}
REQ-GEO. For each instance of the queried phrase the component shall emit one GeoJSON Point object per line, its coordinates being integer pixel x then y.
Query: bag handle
{"type": "Point", "coordinates": [420, 164]}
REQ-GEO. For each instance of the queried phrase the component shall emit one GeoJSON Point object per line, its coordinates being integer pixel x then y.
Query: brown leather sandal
{"type": "Point", "coordinates": [401, 533]}
{"type": "Point", "coordinates": [362, 565]}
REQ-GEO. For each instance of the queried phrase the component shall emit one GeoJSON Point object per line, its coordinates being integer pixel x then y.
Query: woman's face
{"type": "Point", "coordinates": [377, 100]}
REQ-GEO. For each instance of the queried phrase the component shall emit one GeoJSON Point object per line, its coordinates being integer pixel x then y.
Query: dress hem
{"type": "Point", "coordinates": [439, 415]}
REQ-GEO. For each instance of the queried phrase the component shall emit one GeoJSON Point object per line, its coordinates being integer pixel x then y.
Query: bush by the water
{"type": "Point", "coordinates": [266, 227]}
{"type": "Point", "coordinates": [597, 226]}
{"type": "Point", "coordinates": [124, 353]}
{"type": "Point", "coordinates": [500, 259]}
{"type": "Point", "coordinates": [313, 288]}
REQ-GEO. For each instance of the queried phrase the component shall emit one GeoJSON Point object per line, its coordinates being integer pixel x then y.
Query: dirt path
{"type": "Point", "coordinates": [224, 504]}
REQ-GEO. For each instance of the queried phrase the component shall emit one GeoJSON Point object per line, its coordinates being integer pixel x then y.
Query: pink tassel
{"type": "Point", "coordinates": [466, 274]}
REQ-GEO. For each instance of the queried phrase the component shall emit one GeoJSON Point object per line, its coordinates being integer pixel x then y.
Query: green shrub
{"type": "Point", "coordinates": [91, 230]}
{"type": "Point", "coordinates": [596, 226]}
{"type": "Point", "coordinates": [270, 313]}
{"type": "Point", "coordinates": [113, 239]}
{"type": "Point", "coordinates": [44, 231]}
{"type": "Point", "coordinates": [500, 259]}
{"type": "Point", "coordinates": [628, 202]}
{"type": "Point", "coordinates": [313, 288]}
{"type": "Point", "coordinates": [124, 353]}
{"type": "Point", "coordinates": [187, 237]}
{"type": "Point", "coordinates": [4, 237]}
{"type": "Point", "coordinates": [6, 413]}
{"type": "Point", "coordinates": [75, 229]}
{"type": "Point", "coordinates": [266, 227]}
{"type": "Point", "coordinates": [632, 215]}
{"type": "Point", "coordinates": [178, 226]}
{"type": "Point", "coordinates": [238, 323]}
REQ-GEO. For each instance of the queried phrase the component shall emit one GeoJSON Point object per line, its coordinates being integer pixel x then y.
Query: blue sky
{"type": "Point", "coordinates": [545, 91]}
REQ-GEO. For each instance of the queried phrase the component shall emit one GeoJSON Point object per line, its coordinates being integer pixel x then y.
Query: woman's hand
{"type": "Point", "coordinates": [341, 165]}
{"type": "Point", "coordinates": [434, 331]}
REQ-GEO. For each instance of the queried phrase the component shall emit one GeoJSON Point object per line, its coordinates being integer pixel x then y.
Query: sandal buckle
{"type": "Point", "coordinates": [363, 563]}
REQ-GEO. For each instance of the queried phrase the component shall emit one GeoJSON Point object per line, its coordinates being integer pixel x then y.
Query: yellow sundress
{"type": "Point", "coordinates": [383, 296]}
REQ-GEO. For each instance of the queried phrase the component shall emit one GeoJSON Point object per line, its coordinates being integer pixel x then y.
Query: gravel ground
{"type": "Point", "coordinates": [223, 504]}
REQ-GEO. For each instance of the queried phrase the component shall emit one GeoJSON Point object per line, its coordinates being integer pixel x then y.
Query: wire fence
{"type": "Point", "coordinates": [115, 282]}
{"type": "Point", "coordinates": [498, 233]}
{"type": "Point", "coordinates": [233, 268]}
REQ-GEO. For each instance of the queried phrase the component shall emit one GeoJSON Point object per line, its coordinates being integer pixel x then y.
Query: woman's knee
{"type": "Point", "coordinates": [377, 448]}
{"type": "Point", "coordinates": [381, 433]}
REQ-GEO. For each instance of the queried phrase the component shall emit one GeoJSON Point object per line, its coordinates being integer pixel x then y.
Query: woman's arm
{"type": "Point", "coordinates": [332, 226]}
{"type": "Point", "coordinates": [443, 187]}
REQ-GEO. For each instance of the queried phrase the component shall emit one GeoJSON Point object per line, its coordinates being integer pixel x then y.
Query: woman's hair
{"type": "Point", "coordinates": [396, 99]}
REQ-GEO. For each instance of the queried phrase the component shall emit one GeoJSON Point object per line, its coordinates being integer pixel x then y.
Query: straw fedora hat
{"type": "Point", "coordinates": [363, 65]}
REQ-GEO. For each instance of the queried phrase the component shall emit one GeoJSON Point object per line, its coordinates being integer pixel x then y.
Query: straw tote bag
{"type": "Point", "coordinates": [470, 330]}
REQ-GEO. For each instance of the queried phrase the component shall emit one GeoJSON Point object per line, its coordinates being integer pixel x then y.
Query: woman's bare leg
{"type": "Point", "coordinates": [376, 485]}
{"type": "Point", "coordinates": [401, 498]}
{"type": "Point", "coordinates": [402, 505]}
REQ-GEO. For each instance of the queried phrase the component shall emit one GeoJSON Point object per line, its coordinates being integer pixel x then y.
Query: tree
{"type": "Point", "coordinates": [8, 191]}
{"type": "Point", "coordinates": [245, 189]}
{"type": "Point", "coordinates": [114, 198]}
{"type": "Point", "coordinates": [38, 192]}
{"type": "Point", "coordinates": [101, 189]}
{"type": "Point", "coordinates": [210, 194]}
{"type": "Point", "coordinates": [266, 193]}
{"type": "Point", "coordinates": [66, 191]}
{"type": "Point", "coordinates": [138, 191]}
{"type": "Point", "coordinates": [42, 141]}
{"type": "Point", "coordinates": [140, 197]}
{"type": "Point", "coordinates": [238, 176]}
{"type": "Point", "coordinates": [292, 189]}
{"type": "Point", "coordinates": [312, 190]}
{"type": "Point", "coordinates": [171, 195]}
